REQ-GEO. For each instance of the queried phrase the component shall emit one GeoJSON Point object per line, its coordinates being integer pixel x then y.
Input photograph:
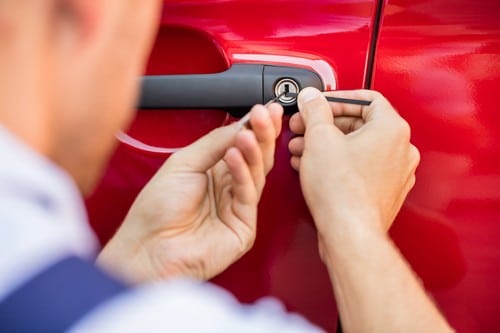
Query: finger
{"type": "Point", "coordinates": [348, 124]}
{"type": "Point", "coordinates": [205, 152]}
{"type": "Point", "coordinates": [276, 112]}
{"type": "Point", "coordinates": [297, 125]}
{"type": "Point", "coordinates": [222, 179]}
{"type": "Point", "coordinates": [243, 187]}
{"type": "Point", "coordinates": [265, 132]}
{"type": "Point", "coordinates": [316, 113]}
{"type": "Point", "coordinates": [247, 144]}
{"type": "Point", "coordinates": [414, 157]}
{"type": "Point", "coordinates": [243, 199]}
{"type": "Point", "coordinates": [379, 107]}
{"type": "Point", "coordinates": [314, 108]}
{"type": "Point", "coordinates": [296, 146]}
{"type": "Point", "coordinates": [341, 110]}
{"type": "Point", "coordinates": [408, 186]}
{"type": "Point", "coordinates": [414, 161]}
{"type": "Point", "coordinates": [295, 162]}
{"type": "Point", "coordinates": [351, 110]}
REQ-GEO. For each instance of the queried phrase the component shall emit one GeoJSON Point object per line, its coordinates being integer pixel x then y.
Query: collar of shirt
{"type": "Point", "coordinates": [42, 218]}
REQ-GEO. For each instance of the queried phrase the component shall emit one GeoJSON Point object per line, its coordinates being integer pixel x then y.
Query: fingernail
{"type": "Point", "coordinates": [309, 94]}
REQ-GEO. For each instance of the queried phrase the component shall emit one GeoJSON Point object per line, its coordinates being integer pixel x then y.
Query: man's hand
{"type": "Point", "coordinates": [356, 167]}
{"type": "Point", "coordinates": [352, 158]}
{"type": "Point", "coordinates": [198, 214]}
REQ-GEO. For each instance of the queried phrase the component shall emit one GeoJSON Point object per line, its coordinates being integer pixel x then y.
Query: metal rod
{"type": "Point", "coordinates": [348, 101]}
{"type": "Point", "coordinates": [339, 100]}
{"type": "Point", "coordinates": [245, 121]}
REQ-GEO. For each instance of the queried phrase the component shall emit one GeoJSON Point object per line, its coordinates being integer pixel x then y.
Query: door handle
{"type": "Point", "coordinates": [235, 90]}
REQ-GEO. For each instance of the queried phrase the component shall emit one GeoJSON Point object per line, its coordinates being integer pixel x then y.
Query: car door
{"type": "Point", "coordinates": [438, 61]}
{"type": "Point", "coordinates": [415, 52]}
{"type": "Point", "coordinates": [330, 38]}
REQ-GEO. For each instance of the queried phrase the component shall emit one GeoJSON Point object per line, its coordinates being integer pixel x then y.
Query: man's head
{"type": "Point", "coordinates": [70, 75]}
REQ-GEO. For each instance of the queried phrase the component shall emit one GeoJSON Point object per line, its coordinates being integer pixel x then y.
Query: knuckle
{"type": "Point", "coordinates": [251, 241]}
{"type": "Point", "coordinates": [413, 181]}
{"type": "Point", "coordinates": [247, 240]}
{"type": "Point", "coordinates": [402, 129]}
{"type": "Point", "coordinates": [375, 94]}
{"type": "Point", "coordinates": [269, 165]}
{"type": "Point", "coordinates": [415, 155]}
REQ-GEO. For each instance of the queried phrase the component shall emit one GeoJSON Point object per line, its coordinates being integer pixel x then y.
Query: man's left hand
{"type": "Point", "coordinates": [198, 214]}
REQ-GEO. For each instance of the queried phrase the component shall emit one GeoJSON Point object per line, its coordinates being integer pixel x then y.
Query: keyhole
{"type": "Point", "coordinates": [287, 86]}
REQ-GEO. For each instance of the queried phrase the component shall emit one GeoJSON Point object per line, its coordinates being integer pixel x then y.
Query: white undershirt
{"type": "Point", "coordinates": [42, 220]}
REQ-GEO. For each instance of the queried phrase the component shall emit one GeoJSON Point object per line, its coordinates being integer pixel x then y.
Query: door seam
{"type": "Point", "coordinates": [372, 51]}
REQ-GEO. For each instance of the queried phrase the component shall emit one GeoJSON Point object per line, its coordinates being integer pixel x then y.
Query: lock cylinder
{"type": "Point", "coordinates": [287, 86]}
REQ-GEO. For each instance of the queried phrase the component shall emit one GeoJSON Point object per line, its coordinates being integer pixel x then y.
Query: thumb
{"type": "Point", "coordinates": [204, 153]}
{"type": "Point", "coordinates": [315, 109]}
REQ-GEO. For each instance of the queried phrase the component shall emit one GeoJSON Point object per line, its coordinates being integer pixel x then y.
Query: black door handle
{"type": "Point", "coordinates": [236, 90]}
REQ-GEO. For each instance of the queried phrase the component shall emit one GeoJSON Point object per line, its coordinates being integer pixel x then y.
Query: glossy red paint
{"type": "Point", "coordinates": [208, 36]}
{"type": "Point", "coordinates": [439, 63]}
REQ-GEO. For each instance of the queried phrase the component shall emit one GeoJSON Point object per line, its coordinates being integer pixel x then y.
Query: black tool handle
{"type": "Point", "coordinates": [340, 100]}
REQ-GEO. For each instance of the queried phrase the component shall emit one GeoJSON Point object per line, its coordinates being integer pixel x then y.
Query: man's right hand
{"type": "Point", "coordinates": [353, 160]}
{"type": "Point", "coordinates": [356, 167]}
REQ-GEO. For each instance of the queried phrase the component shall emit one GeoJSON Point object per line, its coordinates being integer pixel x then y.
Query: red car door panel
{"type": "Point", "coordinates": [330, 37]}
{"type": "Point", "coordinates": [438, 62]}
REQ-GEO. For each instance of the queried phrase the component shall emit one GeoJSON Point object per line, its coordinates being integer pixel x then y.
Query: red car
{"type": "Point", "coordinates": [437, 61]}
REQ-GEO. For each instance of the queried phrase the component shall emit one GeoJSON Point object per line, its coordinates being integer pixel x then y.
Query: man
{"type": "Point", "coordinates": [68, 84]}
